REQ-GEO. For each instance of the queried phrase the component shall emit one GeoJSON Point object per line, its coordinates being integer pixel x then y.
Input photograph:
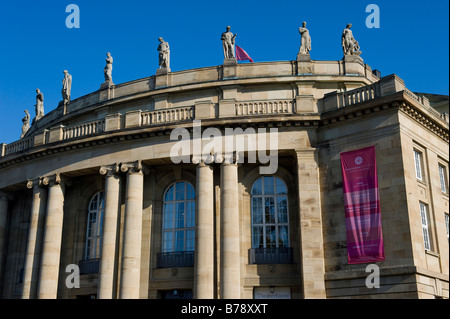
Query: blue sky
{"type": "Point", "coordinates": [36, 45]}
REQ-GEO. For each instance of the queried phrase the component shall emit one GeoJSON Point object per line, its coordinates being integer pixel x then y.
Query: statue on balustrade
{"type": "Point", "coordinates": [228, 41]}
{"type": "Point", "coordinates": [108, 68]}
{"type": "Point", "coordinates": [26, 124]}
{"type": "Point", "coordinates": [305, 44]}
{"type": "Point", "coordinates": [39, 105]}
{"type": "Point", "coordinates": [349, 43]}
{"type": "Point", "coordinates": [164, 54]}
{"type": "Point", "coordinates": [67, 87]}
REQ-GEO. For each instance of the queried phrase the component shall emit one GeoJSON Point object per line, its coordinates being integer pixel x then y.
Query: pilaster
{"type": "Point", "coordinates": [107, 276]}
{"type": "Point", "coordinates": [230, 237]}
{"type": "Point", "coordinates": [204, 234]}
{"type": "Point", "coordinates": [311, 236]}
{"type": "Point", "coordinates": [132, 237]}
{"type": "Point", "coordinates": [51, 249]}
{"type": "Point", "coordinates": [35, 238]}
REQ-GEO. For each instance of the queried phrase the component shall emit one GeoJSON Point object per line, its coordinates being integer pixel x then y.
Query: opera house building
{"type": "Point", "coordinates": [228, 182]}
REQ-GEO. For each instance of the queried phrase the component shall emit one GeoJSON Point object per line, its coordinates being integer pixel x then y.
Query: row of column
{"type": "Point", "coordinates": [43, 252]}
{"type": "Point", "coordinates": [204, 286]}
{"type": "Point", "coordinates": [132, 237]}
{"type": "Point", "coordinates": [42, 265]}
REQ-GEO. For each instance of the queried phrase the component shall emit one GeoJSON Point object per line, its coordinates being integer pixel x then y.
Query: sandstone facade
{"type": "Point", "coordinates": [117, 141]}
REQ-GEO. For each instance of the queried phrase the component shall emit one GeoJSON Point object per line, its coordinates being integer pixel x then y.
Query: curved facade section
{"type": "Point", "coordinates": [220, 132]}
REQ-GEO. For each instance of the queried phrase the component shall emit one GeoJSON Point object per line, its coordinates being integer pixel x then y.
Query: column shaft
{"type": "Point", "coordinates": [229, 212]}
{"type": "Point", "coordinates": [34, 244]}
{"type": "Point", "coordinates": [131, 259]}
{"type": "Point", "coordinates": [106, 289]}
{"type": "Point", "coordinates": [311, 235]}
{"type": "Point", "coordinates": [51, 249]}
{"type": "Point", "coordinates": [204, 236]}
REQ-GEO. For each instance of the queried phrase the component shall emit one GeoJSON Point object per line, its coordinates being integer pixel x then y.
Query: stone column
{"type": "Point", "coordinates": [204, 234]}
{"type": "Point", "coordinates": [35, 236]}
{"type": "Point", "coordinates": [3, 219]}
{"type": "Point", "coordinates": [51, 248]}
{"type": "Point", "coordinates": [131, 256]}
{"type": "Point", "coordinates": [229, 215]}
{"type": "Point", "coordinates": [106, 286]}
{"type": "Point", "coordinates": [311, 236]}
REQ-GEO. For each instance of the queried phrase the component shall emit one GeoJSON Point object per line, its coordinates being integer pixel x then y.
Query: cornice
{"type": "Point", "coordinates": [307, 121]}
{"type": "Point", "coordinates": [399, 101]}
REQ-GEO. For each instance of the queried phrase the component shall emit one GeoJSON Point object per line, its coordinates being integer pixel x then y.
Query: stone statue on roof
{"type": "Point", "coordinates": [67, 86]}
{"type": "Point", "coordinates": [108, 68]}
{"type": "Point", "coordinates": [305, 44]}
{"type": "Point", "coordinates": [228, 41]}
{"type": "Point", "coordinates": [164, 54]}
{"type": "Point", "coordinates": [39, 105]}
{"type": "Point", "coordinates": [26, 124]}
{"type": "Point", "coordinates": [349, 44]}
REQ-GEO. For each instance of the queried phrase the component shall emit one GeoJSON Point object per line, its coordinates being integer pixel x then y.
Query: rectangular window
{"type": "Point", "coordinates": [443, 178]}
{"type": "Point", "coordinates": [418, 163]}
{"type": "Point", "coordinates": [425, 231]}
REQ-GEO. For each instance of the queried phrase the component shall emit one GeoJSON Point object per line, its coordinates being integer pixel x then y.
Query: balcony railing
{"type": "Point", "coordinates": [167, 115]}
{"type": "Point", "coordinates": [83, 129]}
{"type": "Point", "coordinates": [274, 255]}
{"type": "Point", "coordinates": [264, 107]}
{"type": "Point", "coordinates": [175, 259]}
{"type": "Point", "coordinates": [89, 266]}
{"type": "Point", "coordinates": [19, 145]}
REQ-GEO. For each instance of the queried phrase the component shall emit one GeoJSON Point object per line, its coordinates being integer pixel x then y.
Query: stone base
{"type": "Point", "coordinates": [229, 62]}
{"type": "Point", "coordinates": [106, 84]}
{"type": "Point", "coordinates": [353, 58]}
{"type": "Point", "coordinates": [303, 58]}
{"type": "Point", "coordinates": [106, 91]}
{"type": "Point", "coordinates": [304, 65]}
{"type": "Point", "coordinates": [162, 77]}
{"type": "Point", "coordinates": [162, 71]}
{"type": "Point", "coordinates": [229, 68]}
{"type": "Point", "coordinates": [353, 64]}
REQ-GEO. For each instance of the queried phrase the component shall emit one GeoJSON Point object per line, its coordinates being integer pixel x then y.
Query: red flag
{"type": "Point", "coordinates": [241, 55]}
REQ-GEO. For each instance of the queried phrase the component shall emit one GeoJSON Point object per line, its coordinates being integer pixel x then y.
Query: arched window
{"type": "Point", "coordinates": [270, 217]}
{"type": "Point", "coordinates": [178, 229]}
{"type": "Point", "coordinates": [95, 226]}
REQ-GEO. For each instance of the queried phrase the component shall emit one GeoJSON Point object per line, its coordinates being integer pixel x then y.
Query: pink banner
{"type": "Point", "coordinates": [241, 55]}
{"type": "Point", "coordinates": [362, 206]}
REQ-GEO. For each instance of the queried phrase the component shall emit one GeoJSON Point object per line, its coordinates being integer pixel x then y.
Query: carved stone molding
{"type": "Point", "coordinates": [109, 170]}
{"type": "Point", "coordinates": [206, 159]}
{"type": "Point", "coordinates": [230, 158]}
{"type": "Point", "coordinates": [35, 183]}
{"type": "Point", "coordinates": [134, 168]}
{"type": "Point", "coordinates": [51, 180]}
{"type": "Point", "coordinates": [56, 179]}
